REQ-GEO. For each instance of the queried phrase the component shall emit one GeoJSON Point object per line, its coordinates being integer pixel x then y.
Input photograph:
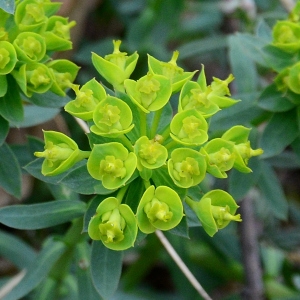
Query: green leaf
{"type": "Point", "coordinates": [272, 191]}
{"type": "Point", "coordinates": [4, 128]}
{"type": "Point", "coordinates": [8, 6]}
{"type": "Point", "coordinates": [48, 99]}
{"type": "Point", "coordinates": [106, 267]}
{"type": "Point", "coordinates": [34, 115]}
{"type": "Point", "coordinates": [246, 82]}
{"type": "Point", "coordinates": [134, 193]}
{"type": "Point", "coordinates": [41, 215]}
{"type": "Point", "coordinates": [16, 251]}
{"type": "Point", "coordinates": [181, 229]}
{"type": "Point", "coordinates": [11, 106]}
{"type": "Point", "coordinates": [273, 100]}
{"type": "Point", "coordinates": [38, 270]}
{"type": "Point", "coordinates": [280, 132]}
{"type": "Point", "coordinates": [10, 172]}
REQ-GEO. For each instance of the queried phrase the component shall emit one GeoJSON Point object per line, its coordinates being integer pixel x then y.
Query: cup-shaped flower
{"type": "Point", "coordinates": [30, 47]}
{"type": "Point", "coordinates": [149, 93]}
{"type": "Point", "coordinates": [114, 224]}
{"type": "Point", "coordinates": [8, 57]}
{"type": "Point", "coordinates": [193, 96]}
{"type": "Point", "coordinates": [60, 154]}
{"type": "Point", "coordinates": [64, 73]}
{"type": "Point", "coordinates": [87, 98]}
{"type": "Point", "coordinates": [189, 128]}
{"type": "Point", "coordinates": [242, 148]}
{"type": "Point", "coordinates": [115, 67]}
{"type": "Point", "coordinates": [112, 117]}
{"type": "Point", "coordinates": [286, 36]}
{"type": "Point", "coordinates": [150, 153]}
{"type": "Point", "coordinates": [215, 210]}
{"type": "Point", "coordinates": [32, 15]}
{"type": "Point", "coordinates": [57, 34]}
{"type": "Point", "coordinates": [159, 208]}
{"type": "Point", "coordinates": [220, 156]}
{"type": "Point", "coordinates": [187, 167]}
{"type": "Point", "coordinates": [175, 74]}
{"type": "Point", "coordinates": [112, 164]}
{"type": "Point", "coordinates": [33, 78]}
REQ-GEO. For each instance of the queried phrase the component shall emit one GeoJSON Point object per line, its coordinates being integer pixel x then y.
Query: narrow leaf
{"type": "Point", "coordinates": [10, 172]}
{"type": "Point", "coordinates": [106, 267]}
{"type": "Point", "coordinates": [38, 271]}
{"type": "Point", "coordinates": [4, 128]}
{"type": "Point", "coordinates": [42, 215]}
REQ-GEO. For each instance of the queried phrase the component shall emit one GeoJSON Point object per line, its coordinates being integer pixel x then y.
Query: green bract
{"type": "Point", "coordinates": [60, 154]}
{"type": "Point", "coordinates": [86, 100]}
{"type": "Point", "coordinates": [150, 153]}
{"type": "Point", "coordinates": [149, 93]}
{"type": "Point", "coordinates": [189, 128]}
{"type": "Point", "coordinates": [8, 57]}
{"type": "Point", "coordinates": [186, 167]}
{"type": "Point", "coordinates": [112, 117]}
{"type": "Point", "coordinates": [112, 164]}
{"type": "Point", "coordinates": [114, 224]}
{"type": "Point", "coordinates": [57, 34]}
{"type": "Point", "coordinates": [220, 156]}
{"type": "Point", "coordinates": [30, 47]}
{"type": "Point", "coordinates": [286, 36]}
{"type": "Point", "coordinates": [115, 67]}
{"type": "Point", "coordinates": [159, 208]}
{"type": "Point", "coordinates": [243, 151]}
{"type": "Point", "coordinates": [176, 75]}
{"type": "Point", "coordinates": [64, 73]}
{"type": "Point", "coordinates": [215, 210]}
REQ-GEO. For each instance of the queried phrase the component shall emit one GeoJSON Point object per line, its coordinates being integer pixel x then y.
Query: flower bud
{"type": "Point", "coordinates": [8, 57]}
{"type": "Point", "coordinates": [114, 224]}
{"type": "Point", "coordinates": [159, 208]}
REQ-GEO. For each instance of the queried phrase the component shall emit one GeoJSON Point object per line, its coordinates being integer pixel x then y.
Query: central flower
{"type": "Point", "coordinates": [112, 166]}
{"type": "Point", "coordinates": [4, 58]}
{"type": "Point", "coordinates": [157, 210]}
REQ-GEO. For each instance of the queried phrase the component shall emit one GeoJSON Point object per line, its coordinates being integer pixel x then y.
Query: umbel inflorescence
{"type": "Point", "coordinates": [141, 141]}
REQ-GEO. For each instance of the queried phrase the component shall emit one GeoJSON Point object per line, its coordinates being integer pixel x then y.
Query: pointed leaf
{"type": "Point", "coordinates": [4, 128]}
{"type": "Point", "coordinates": [41, 215]}
{"type": "Point", "coordinates": [106, 267]}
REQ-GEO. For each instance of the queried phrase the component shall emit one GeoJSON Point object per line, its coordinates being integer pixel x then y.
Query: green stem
{"type": "Point", "coordinates": [84, 154]}
{"type": "Point", "coordinates": [146, 183]}
{"type": "Point", "coordinates": [126, 142]}
{"type": "Point", "coordinates": [155, 123]}
{"type": "Point", "coordinates": [166, 133]}
{"type": "Point", "coordinates": [191, 203]}
{"type": "Point", "coordinates": [121, 193]}
{"type": "Point", "coordinates": [171, 145]}
{"type": "Point", "coordinates": [143, 123]}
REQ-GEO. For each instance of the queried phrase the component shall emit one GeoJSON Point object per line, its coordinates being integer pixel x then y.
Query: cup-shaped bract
{"type": "Point", "coordinates": [114, 224]}
{"type": "Point", "coordinates": [112, 164]}
{"type": "Point", "coordinates": [60, 154]}
{"type": "Point", "coordinates": [160, 208]}
{"type": "Point", "coordinates": [33, 78]}
{"type": "Point", "coordinates": [150, 153]}
{"type": "Point", "coordinates": [30, 47]}
{"type": "Point", "coordinates": [174, 73]}
{"type": "Point", "coordinates": [8, 57]}
{"type": "Point", "coordinates": [30, 15]}
{"type": "Point", "coordinates": [187, 167]}
{"type": "Point", "coordinates": [64, 73]}
{"type": "Point", "coordinates": [150, 92]}
{"type": "Point", "coordinates": [57, 33]}
{"type": "Point", "coordinates": [193, 96]}
{"type": "Point", "coordinates": [243, 151]}
{"type": "Point", "coordinates": [115, 67]}
{"type": "Point", "coordinates": [220, 156]}
{"type": "Point", "coordinates": [189, 128]}
{"type": "Point", "coordinates": [215, 210]}
{"type": "Point", "coordinates": [286, 36]}
{"type": "Point", "coordinates": [112, 117]}
{"type": "Point", "coordinates": [87, 98]}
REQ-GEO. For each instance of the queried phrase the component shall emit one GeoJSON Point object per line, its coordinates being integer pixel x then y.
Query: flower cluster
{"type": "Point", "coordinates": [27, 40]}
{"type": "Point", "coordinates": [139, 142]}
